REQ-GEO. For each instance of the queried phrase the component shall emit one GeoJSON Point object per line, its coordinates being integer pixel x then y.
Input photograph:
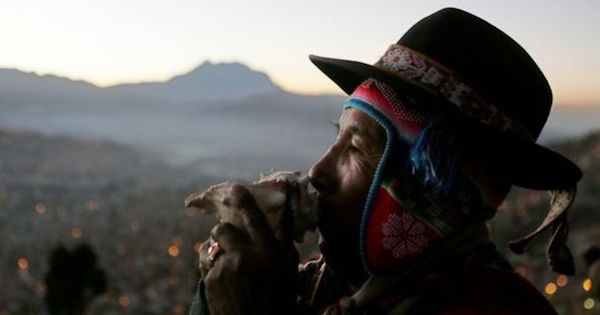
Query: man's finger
{"type": "Point", "coordinates": [204, 263]}
{"type": "Point", "coordinates": [228, 236]}
{"type": "Point", "coordinates": [256, 224]}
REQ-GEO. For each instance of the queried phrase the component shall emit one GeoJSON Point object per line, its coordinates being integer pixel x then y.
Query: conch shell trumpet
{"type": "Point", "coordinates": [286, 199]}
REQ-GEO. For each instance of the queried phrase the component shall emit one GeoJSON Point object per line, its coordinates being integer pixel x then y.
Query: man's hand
{"type": "Point", "coordinates": [251, 273]}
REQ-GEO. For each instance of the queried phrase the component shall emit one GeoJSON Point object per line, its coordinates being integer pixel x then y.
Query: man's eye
{"type": "Point", "coordinates": [336, 125]}
{"type": "Point", "coordinates": [353, 149]}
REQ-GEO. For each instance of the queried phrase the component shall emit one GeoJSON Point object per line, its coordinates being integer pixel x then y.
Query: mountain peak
{"type": "Point", "coordinates": [218, 81]}
{"type": "Point", "coordinates": [207, 64]}
{"type": "Point", "coordinates": [220, 69]}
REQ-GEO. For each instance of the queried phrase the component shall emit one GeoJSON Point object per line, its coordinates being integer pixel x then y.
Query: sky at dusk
{"type": "Point", "coordinates": [114, 41]}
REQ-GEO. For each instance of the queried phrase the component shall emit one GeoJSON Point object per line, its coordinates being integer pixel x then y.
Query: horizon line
{"type": "Point", "coordinates": [323, 92]}
{"type": "Point", "coordinates": [165, 79]}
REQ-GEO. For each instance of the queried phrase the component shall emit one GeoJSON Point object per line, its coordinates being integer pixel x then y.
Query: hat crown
{"type": "Point", "coordinates": [453, 61]}
{"type": "Point", "coordinates": [491, 62]}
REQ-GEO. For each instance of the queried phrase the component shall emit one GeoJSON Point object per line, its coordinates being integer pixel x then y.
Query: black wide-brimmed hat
{"type": "Point", "coordinates": [464, 69]}
{"type": "Point", "coordinates": [457, 60]}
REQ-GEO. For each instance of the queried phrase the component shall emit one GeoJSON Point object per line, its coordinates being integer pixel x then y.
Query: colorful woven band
{"type": "Point", "coordinates": [409, 121]}
{"type": "Point", "coordinates": [436, 79]}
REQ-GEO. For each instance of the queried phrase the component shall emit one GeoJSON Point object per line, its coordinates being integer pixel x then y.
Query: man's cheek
{"type": "Point", "coordinates": [363, 168]}
{"type": "Point", "coordinates": [357, 189]}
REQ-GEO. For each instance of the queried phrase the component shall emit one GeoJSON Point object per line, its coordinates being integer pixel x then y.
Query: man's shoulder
{"type": "Point", "coordinates": [478, 290]}
{"type": "Point", "coordinates": [489, 291]}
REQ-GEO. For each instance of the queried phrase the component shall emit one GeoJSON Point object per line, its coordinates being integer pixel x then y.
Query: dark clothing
{"type": "Point", "coordinates": [480, 283]}
{"type": "Point", "coordinates": [484, 291]}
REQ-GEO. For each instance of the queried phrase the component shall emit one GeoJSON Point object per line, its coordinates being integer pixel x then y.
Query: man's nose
{"type": "Point", "coordinates": [323, 173]}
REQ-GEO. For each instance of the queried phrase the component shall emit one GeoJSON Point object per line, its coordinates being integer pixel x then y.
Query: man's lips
{"type": "Point", "coordinates": [323, 212]}
{"type": "Point", "coordinates": [330, 233]}
{"type": "Point", "coordinates": [325, 221]}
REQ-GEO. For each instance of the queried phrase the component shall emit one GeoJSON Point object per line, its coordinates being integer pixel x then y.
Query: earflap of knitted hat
{"type": "Point", "coordinates": [401, 222]}
{"type": "Point", "coordinates": [408, 213]}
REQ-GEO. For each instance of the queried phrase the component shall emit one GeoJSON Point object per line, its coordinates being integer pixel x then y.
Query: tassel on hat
{"type": "Point", "coordinates": [559, 255]}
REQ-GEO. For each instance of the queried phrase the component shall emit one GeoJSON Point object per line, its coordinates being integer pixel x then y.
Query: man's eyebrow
{"type": "Point", "coordinates": [336, 125]}
{"type": "Point", "coordinates": [359, 132]}
{"type": "Point", "coordinates": [353, 129]}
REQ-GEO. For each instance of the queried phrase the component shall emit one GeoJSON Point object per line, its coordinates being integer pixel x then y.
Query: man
{"type": "Point", "coordinates": [430, 141]}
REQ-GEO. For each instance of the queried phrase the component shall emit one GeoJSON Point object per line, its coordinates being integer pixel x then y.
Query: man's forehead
{"type": "Point", "coordinates": [360, 123]}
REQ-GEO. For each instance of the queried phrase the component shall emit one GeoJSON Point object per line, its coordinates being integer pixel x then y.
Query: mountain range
{"type": "Point", "coordinates": [206, 82]}
{"type": "Point", "coordinates": [221, 118]}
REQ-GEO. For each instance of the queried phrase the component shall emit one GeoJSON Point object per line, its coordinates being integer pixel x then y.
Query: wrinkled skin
{"type": "Point", "coordinates": [343, 177]}
{"type": "Point", "coordinates": [254, 274]}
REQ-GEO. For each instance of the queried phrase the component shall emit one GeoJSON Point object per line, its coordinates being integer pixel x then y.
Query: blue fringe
{"type": "Point", "coordinates": [435, 155]}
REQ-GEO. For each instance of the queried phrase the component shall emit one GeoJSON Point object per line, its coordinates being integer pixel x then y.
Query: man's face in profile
{"type": "Point", "coordinates": [343, 176]}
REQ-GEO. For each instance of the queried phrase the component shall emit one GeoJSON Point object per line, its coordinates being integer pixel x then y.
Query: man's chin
{"type": "Point", "coordinates": [342, 261]}
{"type": "Point", "coordinates": [332, 257]}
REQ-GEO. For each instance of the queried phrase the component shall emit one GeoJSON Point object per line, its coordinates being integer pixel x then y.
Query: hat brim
{"type": "Point", "coordinates": [527, 164]}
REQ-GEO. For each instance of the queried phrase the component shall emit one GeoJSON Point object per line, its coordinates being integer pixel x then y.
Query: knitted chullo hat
{"type": "Point", "coordinates": [453, 81]}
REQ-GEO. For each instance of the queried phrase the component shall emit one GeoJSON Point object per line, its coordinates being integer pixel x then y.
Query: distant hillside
{"type": "Point", "coordinates": [566, 122]}
{"type": "Point", "coordinates": [15, 82]}
{"type": "Point", "coordinates": [31, 158]}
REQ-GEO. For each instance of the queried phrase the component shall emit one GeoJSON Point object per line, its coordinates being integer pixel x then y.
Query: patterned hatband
{"type": "Point", "coordinates": [437, 79]}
